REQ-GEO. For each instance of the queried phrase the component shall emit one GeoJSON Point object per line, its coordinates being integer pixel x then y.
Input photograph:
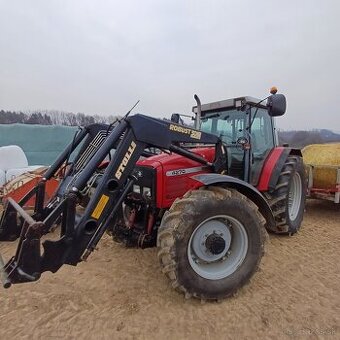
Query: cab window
{"type": "Point", "coordinates": [261, 132]}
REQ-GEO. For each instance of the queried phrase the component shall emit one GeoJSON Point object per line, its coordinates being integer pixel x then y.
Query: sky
{"type": "Point", "coordinates": [100, 57]}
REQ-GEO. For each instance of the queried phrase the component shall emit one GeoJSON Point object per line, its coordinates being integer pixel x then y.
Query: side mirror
{"type": "Point", "coordinates": [276, 105]}
{"type": "Point", "coordinates": [175, 118]}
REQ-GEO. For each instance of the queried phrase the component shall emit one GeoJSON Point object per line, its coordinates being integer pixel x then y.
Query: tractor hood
{"type": "Point", "coordinates": [173, 173]}
{"type": "Point", "coordinates": [174, 161]}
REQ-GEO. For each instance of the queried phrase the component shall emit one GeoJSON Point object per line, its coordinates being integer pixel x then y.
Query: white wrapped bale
{"type": "Point", "coordinates": [12, 157]}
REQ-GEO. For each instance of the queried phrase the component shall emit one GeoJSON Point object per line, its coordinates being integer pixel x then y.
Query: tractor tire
{"type": "Point", "coordinates": [211, 242]}
{"type": "Point", "coordinates": [287, 201]}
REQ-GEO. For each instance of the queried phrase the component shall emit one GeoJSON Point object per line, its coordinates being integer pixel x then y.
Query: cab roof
{"type": "Point", "coordinates": [229, 103]}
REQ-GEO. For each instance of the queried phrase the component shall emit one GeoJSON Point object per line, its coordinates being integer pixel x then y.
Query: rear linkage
{"type": "Point", "coordinates": [79, 234]}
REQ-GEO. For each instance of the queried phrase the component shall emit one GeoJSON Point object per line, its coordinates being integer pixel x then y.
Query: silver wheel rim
{"type": "Point", "coordinates": [294, 196]}
{"type": "Point", "coordinates": [218, 266]}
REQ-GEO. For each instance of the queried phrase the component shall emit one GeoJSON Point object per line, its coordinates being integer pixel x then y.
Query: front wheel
{"type": "Point", "coordinates": [211, 242]}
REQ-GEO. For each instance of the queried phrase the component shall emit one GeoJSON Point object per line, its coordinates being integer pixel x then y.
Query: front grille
{"type": "Point", "coordinates": [147, 179]}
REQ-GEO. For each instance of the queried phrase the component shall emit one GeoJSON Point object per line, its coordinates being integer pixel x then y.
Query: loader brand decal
{"type": "Point", "coordinates": [100, 207]}
{"type": "Point", "coordinates": [193, 133]}
{"type": "Point", "coordinates": [125, 160]}
{"type": "Point", "coordinates": [180, 172]}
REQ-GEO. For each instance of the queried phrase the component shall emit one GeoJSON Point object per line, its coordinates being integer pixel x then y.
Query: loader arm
{"type": "Point", "coordinates": [80, 233]}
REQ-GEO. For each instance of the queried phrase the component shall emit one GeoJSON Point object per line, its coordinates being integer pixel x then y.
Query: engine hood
{"type": "Point", "coordinates": [174, 172]}
{"type": "Point", "coordinates": [166, 160]}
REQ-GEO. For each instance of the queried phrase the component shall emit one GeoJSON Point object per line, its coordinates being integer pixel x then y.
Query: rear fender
{"type": "Point", "coordinates": [244, 188]}
{"type": "Point", "coordinates": [273, 167]}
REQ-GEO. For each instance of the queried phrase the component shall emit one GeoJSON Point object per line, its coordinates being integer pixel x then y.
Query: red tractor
{"type": "Point", "coordinates": [205, 196]}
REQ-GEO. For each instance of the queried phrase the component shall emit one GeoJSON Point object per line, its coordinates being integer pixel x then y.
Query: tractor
{"type": "Point", "coordinates": [205, 195]}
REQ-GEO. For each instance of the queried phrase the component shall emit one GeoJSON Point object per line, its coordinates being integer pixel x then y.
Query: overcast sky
{"type": "Point", "coordinates": [100, 57]}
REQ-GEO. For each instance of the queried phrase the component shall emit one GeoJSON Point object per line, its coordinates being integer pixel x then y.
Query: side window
{"type": "Point", "coordinates": [261, 133]}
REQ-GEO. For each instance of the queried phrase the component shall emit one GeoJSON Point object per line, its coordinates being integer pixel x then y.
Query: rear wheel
{"type": "Point", "coordinates": [211, 242]}
{"type": "Point", "coordinates": [287, 201]}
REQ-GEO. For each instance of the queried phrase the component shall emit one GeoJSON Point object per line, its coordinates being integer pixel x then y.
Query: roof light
{"type": "Point", "coordinates": [273, 90]}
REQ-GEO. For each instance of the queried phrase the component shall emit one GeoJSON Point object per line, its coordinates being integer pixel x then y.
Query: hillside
{"type": "Point", "coordinates": [301, 138]}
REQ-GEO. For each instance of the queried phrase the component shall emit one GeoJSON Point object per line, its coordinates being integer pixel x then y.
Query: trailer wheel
{"type": "Point", "coordinates": [287, 201]}
{"type": "Point", "coordinates": [211, 242]}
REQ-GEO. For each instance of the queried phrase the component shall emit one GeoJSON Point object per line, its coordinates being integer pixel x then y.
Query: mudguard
{"type": "Point", "coordinates": [273, 167]}
{"type": "Point", "coordinates": [244, 188]}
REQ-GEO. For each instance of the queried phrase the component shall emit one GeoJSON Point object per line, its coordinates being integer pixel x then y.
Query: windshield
{"type": "Point", "coordinates": [229, 125]}
{"type": "Point", "coordinates": [232, 124]}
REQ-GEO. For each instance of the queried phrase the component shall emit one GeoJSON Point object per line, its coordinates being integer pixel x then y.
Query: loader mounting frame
{"type": "Point", "coordinates": [80, 233]}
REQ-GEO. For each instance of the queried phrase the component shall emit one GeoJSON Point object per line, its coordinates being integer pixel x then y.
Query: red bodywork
{"type": "Point", "coordinates": [174, 174]}
{"type": "Point", "coordinates": [174, 179]}
{"type": "Point", "coordinates": [269, 167]}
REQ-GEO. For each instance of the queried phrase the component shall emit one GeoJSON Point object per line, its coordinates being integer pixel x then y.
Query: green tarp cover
{"type": "Point", "coordinates": [41, 143]}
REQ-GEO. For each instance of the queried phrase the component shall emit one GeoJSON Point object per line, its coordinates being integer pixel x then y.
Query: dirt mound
{"type": "Point", "coordinates": [120, 293]}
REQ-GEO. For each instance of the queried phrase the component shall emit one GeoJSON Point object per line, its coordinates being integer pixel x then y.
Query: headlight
{"type": "Point", "coordinates": [147, 191]}
{"type": "Point", "coordinates": [136, 188]}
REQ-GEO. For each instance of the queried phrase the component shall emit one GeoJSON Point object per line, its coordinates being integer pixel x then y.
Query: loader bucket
{"type": "Point", "coordinates": [76, 166]}
{"type": "Point", "coordinates": [16, 222]}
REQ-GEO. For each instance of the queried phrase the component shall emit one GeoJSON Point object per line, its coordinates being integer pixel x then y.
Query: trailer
{"type": "Point", "coordinates": [322, 163]}
{"type": "Point", "coordinates": [331, 191]}
{"type": "Point", "coordinates": [18, 187]}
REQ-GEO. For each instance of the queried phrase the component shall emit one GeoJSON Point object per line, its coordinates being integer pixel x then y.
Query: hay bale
{"type": "Point", "coordinates": [324, 177]}
{"type": "Point", "coordinates": [322, 154]}
{"type": "Point", "coordinates": [325, 159]}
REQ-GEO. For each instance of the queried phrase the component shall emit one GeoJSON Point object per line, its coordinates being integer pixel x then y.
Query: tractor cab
{"type": "Point", "coordinates": [246, 127]}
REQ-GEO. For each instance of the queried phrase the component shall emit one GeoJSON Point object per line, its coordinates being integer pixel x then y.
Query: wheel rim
{"type": "Point", "coordinates": [294, 196]}
{"type": "Point", "coordinates": [211, 260]}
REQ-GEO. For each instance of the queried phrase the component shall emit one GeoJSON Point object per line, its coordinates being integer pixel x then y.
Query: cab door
{"type": "Point", "coordinates": [262, 142]}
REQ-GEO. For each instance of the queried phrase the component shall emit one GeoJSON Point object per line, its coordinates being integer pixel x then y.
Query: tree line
{"type": "Point", "coordinates": [53, 117]}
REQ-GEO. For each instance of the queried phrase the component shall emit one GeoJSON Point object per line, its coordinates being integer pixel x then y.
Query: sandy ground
{"type": "Point", "coordinates": [121, 294]}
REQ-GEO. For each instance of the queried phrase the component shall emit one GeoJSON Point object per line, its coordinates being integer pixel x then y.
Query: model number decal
{"type": "Point", "coordinates": [125, 160]}
{"type": "Point", "coordinates": [193, 133]}
{"type": "Point", "coordinates": [180, 172]}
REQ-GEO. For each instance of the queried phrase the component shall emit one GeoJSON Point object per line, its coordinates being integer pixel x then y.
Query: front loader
{"type": "Point", "coordinates": [209, 226]}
